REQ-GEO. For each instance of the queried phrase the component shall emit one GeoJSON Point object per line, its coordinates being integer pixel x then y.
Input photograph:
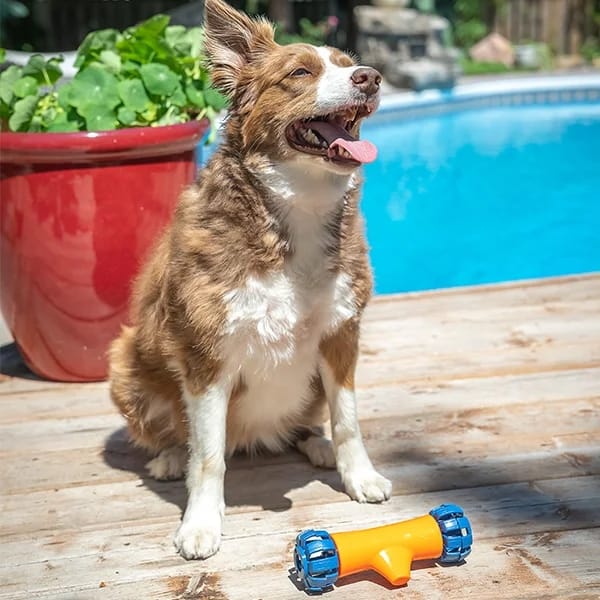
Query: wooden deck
{"type": "Point", "coordinates": [487, 397]}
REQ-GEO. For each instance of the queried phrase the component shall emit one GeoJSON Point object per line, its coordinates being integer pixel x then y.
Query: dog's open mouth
{"type": "Point", "coordinates": [330, 136]}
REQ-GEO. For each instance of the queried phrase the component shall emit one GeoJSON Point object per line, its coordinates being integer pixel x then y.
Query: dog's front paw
{"type": "Point", "coordinates": [169, 464]}
{"type": "Point", "coordinates": [319, 451]}
{"type": "Point", "coordinates": [199, 539]}
{"type": "Point", "coordinates": [367, 485]}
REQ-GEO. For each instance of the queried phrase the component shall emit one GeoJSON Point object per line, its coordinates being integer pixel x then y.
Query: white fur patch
{"type": "Point", "coordinates": [319, 451]}
{"type": "Point", "coordinates": [362, 482]}
{"type": "Point", "coordinates": [275, 323]}
{"type": "Point", "coordinates": [305, 185]}
{"type": "Point", "coordinates": [171, 463]}
{"type": "Point", "coordinates": [199, 534]}
{"type": "Point", "coordinates": [335, 87]}
{"type": "Point", "coordinates": [274, 327]}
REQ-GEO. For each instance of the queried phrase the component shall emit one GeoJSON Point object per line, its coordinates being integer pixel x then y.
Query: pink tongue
{"type": "Point", "coordinates": [361, 151]}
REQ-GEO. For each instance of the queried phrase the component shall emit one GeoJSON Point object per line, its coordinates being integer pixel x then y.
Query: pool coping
{"type": "Point", "coordinates": [580, 87]}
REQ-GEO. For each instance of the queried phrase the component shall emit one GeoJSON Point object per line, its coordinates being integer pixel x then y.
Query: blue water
{"type": "Point", "coordinates": [484, 196]}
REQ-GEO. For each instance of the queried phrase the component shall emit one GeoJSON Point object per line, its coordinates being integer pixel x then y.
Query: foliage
{"type": "Point", "coordinates": [590, 49]}
{"type": "Point", "coordinates": [150, 74]}
{"type": "Point", "coordinates": [469, 27]}
{"type": "Point", "coordinates": [255, 7]}
{"type": "Point", "coordinates": [472, 67]}
{"type": "Point", "coordinates": [545, 55]}
{"type": "Point", "coordinates": [9, 10]}
{"type": "Point", "coordinates": [310, 33]}
{"type": "Point", "coordinates": [468, 33]}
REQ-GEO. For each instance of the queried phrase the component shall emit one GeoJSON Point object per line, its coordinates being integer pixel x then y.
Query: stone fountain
{"type": "Point", "coordinates": [406, 45]}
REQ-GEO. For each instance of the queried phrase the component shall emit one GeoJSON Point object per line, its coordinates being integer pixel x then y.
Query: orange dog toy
{"type": "Point", "coordinates": [444, 534]}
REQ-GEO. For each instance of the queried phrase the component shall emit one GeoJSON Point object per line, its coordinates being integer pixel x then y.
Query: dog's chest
{"type": "Point", "coordinates": [279, 319]}
{"type": "Point", "coordinates": [274, 327]}
{"type": "Point", "coordinates": [276, 321]}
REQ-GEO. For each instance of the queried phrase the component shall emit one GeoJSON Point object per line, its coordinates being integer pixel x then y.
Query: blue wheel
{"type": "Point", "coordinates": [456, 532]}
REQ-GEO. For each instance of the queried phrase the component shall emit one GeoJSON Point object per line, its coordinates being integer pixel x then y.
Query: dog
{"type": "Point", "coordinates": [245, 319]}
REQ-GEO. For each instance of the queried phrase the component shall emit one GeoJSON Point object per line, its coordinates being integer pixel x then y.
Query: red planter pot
{"type": "Point", "coordinates": [78, 214]}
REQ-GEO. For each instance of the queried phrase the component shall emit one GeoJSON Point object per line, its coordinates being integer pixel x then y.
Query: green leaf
{"type": "Point", "coordinates": [185, 42]}
{"type": "Point", "coordinates": [67, 120]}
{"type": "Point", "coordinates": [23, 113]}
{"type": "Point", "coordinates": [94, 43]}
{"type": "Point", "coordinates": [7, 79]}
{"type": "Point", "coordinates": [195, 36]}
{"type": "Point", "coordinates": [151, 28]}
{"type": "Point", "coordinates": [64, 95]}
{"type": "Point", "coordinates": [53, 69]}
{"type": "Point", "coordinates": [26, 86]}
{"type": "Point", "coordinates": [126, 115]}
{"type": "Point", "coordinates": [98, 117]}
{"type": "Point", "coordinates": [176, 34]}
{"type": "Point", "coordinates": [195, 95]}
{"type": "Point", "coordinates": [133, 94]}
{"type": "Point", "coordinates": [215, 99]}
{"type": "Point", "coordinates": [111, 59]}
{"type": "Point", "coordinates": [130, 69]}
{"type": "Point", "coordinates": [178, 97]}
{"type": "Point", "coordinates": [159, 79]}
{"type": "Point", "coordinates": [44, 116]}
{"type": "Point", "coordinates": [42, 70]}
{"type": "Point", "coordinates": [5, 112]}
{"type": "Point", "coordinates": [94, 84]}
{"type": "Point", "coordinates": [63, 126]}
{"type": "Point", "coordinates": [171, 117]}
{"type": "Point", "coordinates": [150, 114]}
{"type": "Point", "coordinates": [2, 55]}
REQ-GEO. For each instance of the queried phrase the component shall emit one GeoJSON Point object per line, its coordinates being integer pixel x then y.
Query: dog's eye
{"type": "Point", "coordinates": [300, 72]}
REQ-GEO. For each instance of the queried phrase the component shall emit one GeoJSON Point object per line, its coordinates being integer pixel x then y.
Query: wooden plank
{"type": "Point", "coordinates": [501, 420]}
{"type": "Point", "coordinates": [533, 566]}
{"type": "Point", "coordinates": [415, 398]}
{"type": "Point", "coordinates": [31, 464]}
{"type": "Point", "coordinates": [509, 512]}
{"type": "Point", "coordinates": [377, 399]}
{"type": "Point", "coordinates": [513, 508]}
{"type": "Point", "coordinates": [555, 293]}
{"type": "Point", "coordinates": [58, 434]}
{"type": "Point", "coordinates": [56, 402]}
{"type": "Point", "coordinates": [426, 397]}
{"type": "Point", "coordinates": [399, 446]}
{"type": "Point", "coordinates": [551, 293]}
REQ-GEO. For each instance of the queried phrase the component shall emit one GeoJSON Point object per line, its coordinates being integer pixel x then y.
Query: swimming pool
{"type": "Point", "coordinates": [485, 187]}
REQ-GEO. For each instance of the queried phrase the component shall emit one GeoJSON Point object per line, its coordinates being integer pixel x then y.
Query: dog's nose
{"type": "Point", "coordinates": [367, 80]}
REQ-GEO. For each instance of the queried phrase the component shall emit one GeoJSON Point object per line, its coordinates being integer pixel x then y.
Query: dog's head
{"type": "Point", "coordinates": [290, 103]}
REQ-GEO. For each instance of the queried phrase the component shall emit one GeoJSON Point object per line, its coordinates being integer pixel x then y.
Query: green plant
{"type": "Point", "coordinates": [468, 33]}
{"type": "Point", "coordinates": [310, 33]}
{"type": "Point", "coordinates": [150, 74]}
{"type": "Point", "coordinates": [472, 67]}
{"type": "Point", "coordinates": [469, 27]}
{"type": "Point", "coordinates": [590, 49]}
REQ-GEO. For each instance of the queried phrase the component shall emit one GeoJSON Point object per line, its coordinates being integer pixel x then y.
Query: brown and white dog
{"type": "Point", "coordinates": [246, 318]}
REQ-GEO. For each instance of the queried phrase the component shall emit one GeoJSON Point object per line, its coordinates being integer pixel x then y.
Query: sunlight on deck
{"type": "Point", "coordinates": [487, 397]}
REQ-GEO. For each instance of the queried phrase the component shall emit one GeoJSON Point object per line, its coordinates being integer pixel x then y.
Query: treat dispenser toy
{"type": "Point", "coordinates": [321, 558]}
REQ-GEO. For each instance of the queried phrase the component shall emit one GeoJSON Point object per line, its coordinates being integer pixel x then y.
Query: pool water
{"type": "Point", "coordinates": [482, 196]}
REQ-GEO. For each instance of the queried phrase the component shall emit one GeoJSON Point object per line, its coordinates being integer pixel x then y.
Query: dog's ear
{"type": "Point", "coordinates": [232, 40]}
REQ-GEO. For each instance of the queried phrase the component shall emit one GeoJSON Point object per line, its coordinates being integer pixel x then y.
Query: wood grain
{"type": "Point", "coordinates": [488, 397]}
